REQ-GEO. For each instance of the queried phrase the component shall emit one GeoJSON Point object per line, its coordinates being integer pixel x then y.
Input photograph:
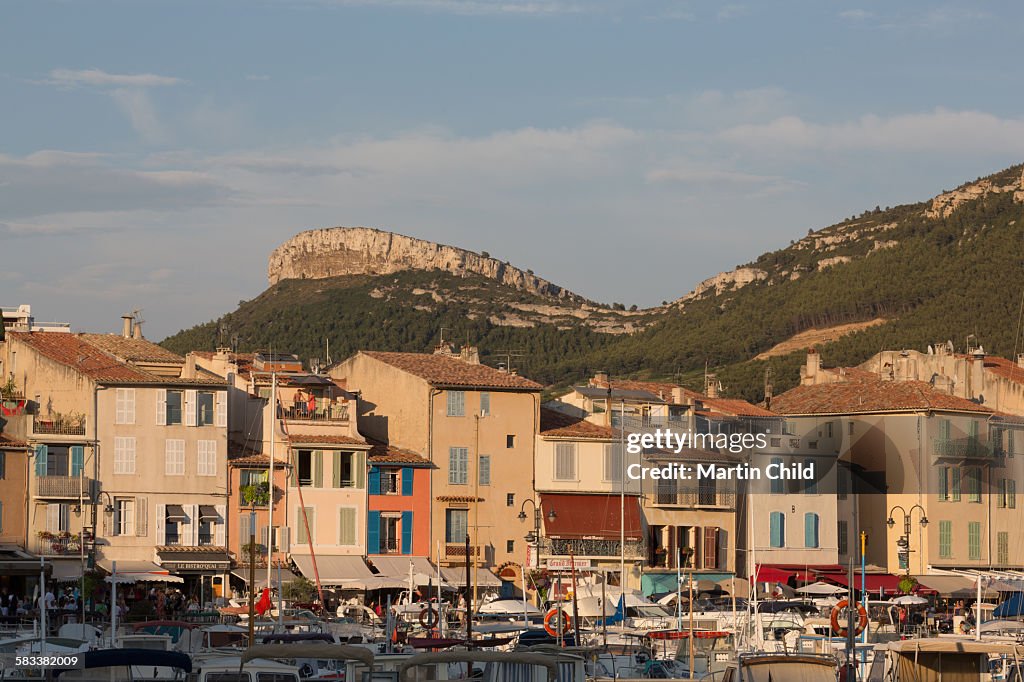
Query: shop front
{"type": "Point", "coordinates": [204, 572]}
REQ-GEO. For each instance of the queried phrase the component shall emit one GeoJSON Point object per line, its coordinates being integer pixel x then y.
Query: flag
{"type": "Point", "coordinates": [264, 604]}
{"type": "Point", "coordinates": [619, 616]}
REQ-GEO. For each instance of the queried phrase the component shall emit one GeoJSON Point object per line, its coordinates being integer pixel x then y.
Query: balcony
{"type": "Point", "coordinates": [58, 425]}
{"type": "Point", "coordinates": [587, 547]}
{"type": "Point", "coordinates": [391, 546]}
{"type": "Point", "coordinates": [337, 413]}
{"type": "Point", "coordinates": [56, 544]}
{"type": "Point", "coordinates": [695, 498]}
{"type": "Point", "coordinates": [964, 448]}
{"type": "Point", "coordinates": [65, 487]}
{"type": "Point", "coordinates": [456, 550]}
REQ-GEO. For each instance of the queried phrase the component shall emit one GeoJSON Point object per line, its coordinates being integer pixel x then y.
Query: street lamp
{"type": "Point", "coordinates": [534, 536]}
{"type": "Point", "coordinates": [903, 543]}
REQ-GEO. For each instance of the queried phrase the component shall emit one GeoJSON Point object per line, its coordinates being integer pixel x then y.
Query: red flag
{"type": "Point", "coordinates": [264, 604]}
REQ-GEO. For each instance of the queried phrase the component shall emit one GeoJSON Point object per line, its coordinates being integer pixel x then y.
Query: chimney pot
{"type": "Point", "coordinates": [126, 326]}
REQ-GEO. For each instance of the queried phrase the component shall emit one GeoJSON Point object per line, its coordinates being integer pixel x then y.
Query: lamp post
{"type": "Point", "coordinates": [903, 544]}
{"type": "Point", "coordinates": [108, 511]}
{"type": "Point", "coordinates": [534, 536]}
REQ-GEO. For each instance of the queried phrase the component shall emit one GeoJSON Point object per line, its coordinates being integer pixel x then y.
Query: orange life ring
{"type": "Point", "coordinates": [428, 618]}
{"type": "Point", "coordinates": [551, 622]}
{"type": "Point", "coordinates": [862, 618]}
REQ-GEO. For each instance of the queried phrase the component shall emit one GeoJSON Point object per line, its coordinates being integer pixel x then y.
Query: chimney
{"type": "Point", "coordinates": [126, 326]}
{"type": "Point", "coordinates": [189, 370]}
{"type": "Point", "coordinates": [137, 330]}
{"type": "Point", "coordinates": [711, 385]}
{"type": "Point", "coordinates": [809, 372]}
{"type": "Point", "coordinates": [470, 354]}
{"type": "Point", "coordinates": [600, 379]}
{"type": "Point", "coordinates": [1020, 359]}
{"type": "Point", "coordinates": [978, 373]}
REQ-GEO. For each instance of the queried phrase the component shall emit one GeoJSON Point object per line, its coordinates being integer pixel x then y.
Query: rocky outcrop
{"type": "Point", "coordinates": [735, 279]}
{"type": "Point", "coordinates": [335, 251]}
{"type": "Point", "coordinates": [943, 205]}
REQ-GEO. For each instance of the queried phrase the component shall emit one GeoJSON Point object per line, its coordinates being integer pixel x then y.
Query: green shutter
{"type": "Point", "coordinates": [1002, 548]}
{"type": "Point", "coordinates": [359, 465]}
{"type": "Point", "coordinates": [943, 482]}
{"type": "Point", "coordinates": [41, 451]}
{"type": "Point", "coordinates": [777, 529]}
{"type": "Point", "coordinates": [955, 471]}
{"type": "Point", "coordinates": [945, 539]}
{"type": "Point", "coordinates": [1011, 493]}
{"type": "Point", "coordinates": [810, 530]}
{"type": "Point", "coordinates": [974, 540]}
{"type": "Point", "coordinates": [347, 526]}
{"type": "Point", "coordinates": [318, 469]}
{"type": "Point", "coordinates": [77, 460]}
{"type": "Point", "coordinates": [336, 469]}
{"type": "Point", "coordinates": [303, 537]}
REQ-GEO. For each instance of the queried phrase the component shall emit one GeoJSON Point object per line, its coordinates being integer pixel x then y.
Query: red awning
{"type": "Point", "coordinates": [876, 583]}
{"type": "Point", "coordinates": [589, 516]}
{"type": "Point", "coordinates": [770, 574]}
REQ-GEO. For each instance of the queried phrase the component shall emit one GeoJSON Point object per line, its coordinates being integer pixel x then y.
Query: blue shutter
{"type": "Point", "coordinates": [77, 459]}
{"type": "Point", "coordinates": [374, 488]}
{"type": "Point", "coordinates": [407, 532]}
{"type": "Point", "coordinates": [373, 532]}
{"type": "Point", "coordinates": [810, 529]}
{"type": "Point", "coordinates": [776, 531]}
{"type": "Point", "coordinates": [407, 478]}
{"type": "Point", "coordinates": [41, 451]}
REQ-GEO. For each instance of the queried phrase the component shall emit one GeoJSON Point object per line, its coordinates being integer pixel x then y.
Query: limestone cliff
{"type": "Point", "coordinates": [943, 205]}
{"type": "Point", "coordinates": [335, 251]}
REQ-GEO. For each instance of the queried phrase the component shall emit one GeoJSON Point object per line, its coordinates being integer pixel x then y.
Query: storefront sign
{"type": "Point", "coordinates": [568, 564]}
{"type": "Point", "coordinates": [195, 565]}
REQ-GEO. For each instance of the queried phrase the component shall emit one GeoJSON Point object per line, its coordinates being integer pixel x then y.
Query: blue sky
{"type": "Point", "coordinates": [152, 154]}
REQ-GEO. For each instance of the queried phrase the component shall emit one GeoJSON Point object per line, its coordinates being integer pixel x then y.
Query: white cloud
{"type": "Point", "coordinates": [137, 106]}
{"type": "Point", "coordinates": [98, 78]}
{"type": "Point", "coordinates": [941, 130]}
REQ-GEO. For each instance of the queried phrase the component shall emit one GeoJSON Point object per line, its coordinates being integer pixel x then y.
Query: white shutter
{"type": "Point", "coordinates": [221, 409]}
{"type": "Point", "coordinates": [161, 407]}
{"type": "Point", "coordinates": [218, 530]}
{"type": "Point", "coordinates": [190, 532]}
{"type": "Point", "coordinates": [53, 517]}
{"type": "Point", "coordinates": [190, 408]}
{"type": "Point", "coordinates": [129, 406]}
{"type": "Point", "coordinates": [141, 518]}
{"type": "Point", "coordinates": [160, 518]}
{"type": "Point", "coordinates": [107, 519]}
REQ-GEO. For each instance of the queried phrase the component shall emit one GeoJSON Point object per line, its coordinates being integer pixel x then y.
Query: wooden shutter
{"type": "Point", "coordinates": [218, 528]}
{"type": "Point", "coordinates": [711, 547]}
{"type": "Point", "coordinates": [359, 468]}
{"type": "Point", "coordinates": [955, 473]}
{"type": "Point", "coordinates": [77, 460]}
{"type": "Point", "coordinates": [161, 407]}
{"type": "Point", "coordinates": [336, 468]}
{"type": "Point", "coordinates": [408, 474]}
{"type": "Point", "coordinates": [160, 518]}
{"type": "Point", "coordinates": [318, 468]}
{"type": "Point", "coordinates": [374, 485]}
{"type": "Point", "coordinates": [141, 517]}
{"type": "Point", "coordinates": [41, 455]}
{"type": "Point", "coordinates": [810, 530]}
{"type": "Point", "coordinates": [373, 532]}
{"type": "Point", "coordinates": [52, 517]}
{"type": "Point", "coordinates": [407, 532]}
{"type": "Point", "coordinates": [347, 526]}
{"type": "Point", "coordinates": [190, 408]}
{"type": "Point", "coordinates": [221, 409]}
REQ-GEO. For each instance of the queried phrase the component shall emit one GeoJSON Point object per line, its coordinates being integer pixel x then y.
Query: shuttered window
{"type": "Point", "coordinates": [954, 483]}
{"type": "Point", "coordinates": [710, 547]}
{"type": "Point", "coordinates": [565, 461]}
{"type": "Point", "coordinates": [207, 458]}
{"type": "Point", "coordinates": [174, 457]}
{"type": "Point", "coordinates": [811, 522]}
{"type": "Point", "coordinates": [485, 404]}
{"type": "Point", "coordinates": [943, 473]}
{"type": "Point", "coordinates": [973, 476]}
{"type": "Point", "coordinates": [347, 526]}
{"type": "Point", "coordinates": [458, 466]}
{"type": "Point", "coordinates": [1002, 548]}
{"type": "Point", "coordinates": [485, 469]}
{"type": "Point", "coordinates": [974, 540]}
{"type": "Point", "coordinates": [310, 519]}
{"type": "Point", "coordinates": [945, 539]}
{"type": "Point", "coordinates": [612, 462]}
{"type": "Point", "coordinates": [842, 536]}
{"type": "Point", "coordinates": [777, 529]}
{"type": "Point", "coordinates": [125, 406]}
{"type": "Point", "coordinates": [124, 455]}
{"type": "Point", "coordinates": [1011, 493]}
{"type": "Point", "coordinates": [456, 525]}
{"type": "Point", "coordinates": [456, 403]}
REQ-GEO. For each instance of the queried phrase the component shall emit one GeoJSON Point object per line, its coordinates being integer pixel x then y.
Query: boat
{"type": "Point", "coordinates": [949, 659]}
{"type": "Point", "coordinates": [128, 665]}
{"type": "Point", "coordinates": [766, 667]}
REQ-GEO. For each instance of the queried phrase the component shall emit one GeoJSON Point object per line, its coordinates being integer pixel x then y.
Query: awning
{"type": "Point", "coordinates": [208, 512]}
{"type": "Point", "coordinates": [16, 561]}
{"type": "Point", "coordinates": [398, 567]}
{"type": "Point", "coordinates": [67, 571]}
{"type": "Point", "coordinates": [138, 572]}
{"type": "Point", "coordinates": [261, 576]}
{"type": "Point", "coordinates": [590, 516]}
{"type": "Point", "coordinates": [204, 559]}
{"type": "Point", "coordinates": [769, 574]}
{"type": "Point", "coordinates": [456, 576]}
{"type": "Point", "coordinates": [876, 583]}
{"type": "Point", "coordinates": [333, 569]}
{"type": "Point", "coordinates": [959, 586]}
{"type": "Point", "coordinates": [175, 513]}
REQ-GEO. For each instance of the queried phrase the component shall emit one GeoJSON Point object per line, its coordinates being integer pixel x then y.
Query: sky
{"type": "Point", "coordinates": [153, 154]}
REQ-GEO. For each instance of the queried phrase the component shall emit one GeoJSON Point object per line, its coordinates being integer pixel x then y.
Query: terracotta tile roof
{"type": "Point", "coordinates": [733, 406]}
{"type": "Point", "coordinates": [88, 355]}
{"type": "Point", "coordinates": [382, 453]}
{"type": "Point", "coordinates": [441, 370]}
{"type": "Point", "coordinates": [555, 424]}
{"type": "Point", "coordinates": [191, 549]}
{"type": "Point", "coordinates": [327, 439]}
{"type": "Point", "coordinates": [1006, 418]}
{"type": "Point", "coordinates": [133, 350]}
{"type": "Point", "coordinates": [7, 441]}
{"type": "Point", "coordinates": [263, 461]}
{"type": "Point", "coordinates": [863, 396]}
{"type": "Point", "coordinates": [1004, 368]}
{"type": "Point", "coordinates": [458, 498]}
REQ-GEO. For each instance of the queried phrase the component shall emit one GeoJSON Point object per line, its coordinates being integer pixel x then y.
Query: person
{"type": "Point", "coordinates": [4, 602]}
{"type": "Point", "coordinates": [311, 405]}
{"type": "Point", "coordinates": [49, 601]}
{"type": "Point", "coordinates": [300, 400]}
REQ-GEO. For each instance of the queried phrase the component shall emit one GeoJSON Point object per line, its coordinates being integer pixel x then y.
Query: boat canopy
{"type": "Point", "coordinates": [546, 660]}
{"type": "Point", "coordinates": [331, 652]}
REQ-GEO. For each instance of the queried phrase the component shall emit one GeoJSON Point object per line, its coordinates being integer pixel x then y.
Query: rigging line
{"type": "Point", "coordinates": [1016, 338]}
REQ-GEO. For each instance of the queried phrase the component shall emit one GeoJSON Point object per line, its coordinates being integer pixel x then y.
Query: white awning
{"type": "Point", "coordinates": [261, 576]}
{"type": "Point", "coordinates": [67, 571]}
{"type": "Point", "coordinates": [455, 575]}
{"type": "Point", "coordinates": [334, 569]}
{"type": "Point", "coordinates": [138, 572]}
{"type": "Point", "coordinates": [397, 567]}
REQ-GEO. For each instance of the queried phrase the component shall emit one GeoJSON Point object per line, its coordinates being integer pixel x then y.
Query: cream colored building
{"type": "Point", "coordinates": [476, 424]}
{"type": "Point", "coordinates": [129, 444]}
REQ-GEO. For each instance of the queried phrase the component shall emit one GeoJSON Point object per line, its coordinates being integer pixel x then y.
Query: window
{"type": "Point", "coordinates": [390, 482]}
{"type": "Point", "coordinates": [788, 428]}
{"type": "Point", "coordinates": [348, 469]}
{"type": "Point", "coordinates": [973, 476]}
{"type": "Point", "coordinates": [305, 516]}
{"type": "Point", "coordinates": [347, 526]}
{"type": "Point", "coordinates": [124, 516]}
{"type": "Point", "coordinates": [1002, 548]}
{"type": "Point", "coordinates": [565, 461]}
{"type": "Point", "coordinates": [305, 467]}
{"type": "Point", "coordinates": [849, 428]}
{"type": "Point", "coordinates": [456, 403]}
{"type": "Point", "coordinates": [510, 499]}
{"type": "Point", "coordinates": [943, 492]}
{"type": "Point", "coordinates": [485, 404]}
{"type": "Point", "coordinates": [776, 442]}
{"type": "Point", "coordinates": [456, 525]}
{"type": "Point", "coordinates": [812, 445]}
{"type": "Point", "coordinates": [828, 429]}
{"type": "Point", "coordinates": [390, 540]}
{"type": "Point", "coordinates": [57, 518]}
{"type": "Point", "coordinates": [510, 441]}
{"type": "Point", "coordinates": [458, 466]}
{"type": "Point", "coordinates": [174, 457]}
{"type": "Point", "coordinates": [124, 455]}
{"type": "Point", "coordinates": [811, 521]}
{"type": "Point", "coordinates": [974, 540]}
{"type": "Point", "coordinates": [204, 408]}
{"type": "Point", "coordinates": [252, 477]}
{"type": "Point", "coordinates": [1001, 497]}
{"type": "Point", "coordinates": [1009, 443]}
{"type": "Point", "coordinates": [945, 539]}
{"type": "Point", "coordinates": [125, 406]}
{"type": "Point", "coordinates": [613, 462]}
{"type": "Point", "coordinates": [207, 463]}
{"type": "Point", "coordinates": [944, 429]}
{"type": "Point", "coordinates": [57, 461]}
{"type": "Point", "coordinates": [175, 400]}
{"type": "Point", "coordinates": [954, 483]}
{"type": "Point", "coordinates": [707, 491]}
{"type": "Point", "coordinates": [842, 536]}
{"type": "Point", "coordinates": [1011, 493]}
{"type": "Point", "coordinates": [206, 532]}
{"type": "Point", "coordinates": [777, 529]}
{"type": "Point", "coordinates": [777, 483]}
{"type": "Point", "coordinates": [811, 486]}
{"type": "Point", "coordinates": [485, 469]}
{"type": "Point", "coordinates": [510, 546]}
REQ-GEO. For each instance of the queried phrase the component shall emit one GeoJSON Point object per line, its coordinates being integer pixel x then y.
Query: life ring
{"type": "Point", "coordinates": [862, 618]}
{"type": "Point", "coordinates": [551, 622]}
{"type": "Point", "coordinates": [428, 618]}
